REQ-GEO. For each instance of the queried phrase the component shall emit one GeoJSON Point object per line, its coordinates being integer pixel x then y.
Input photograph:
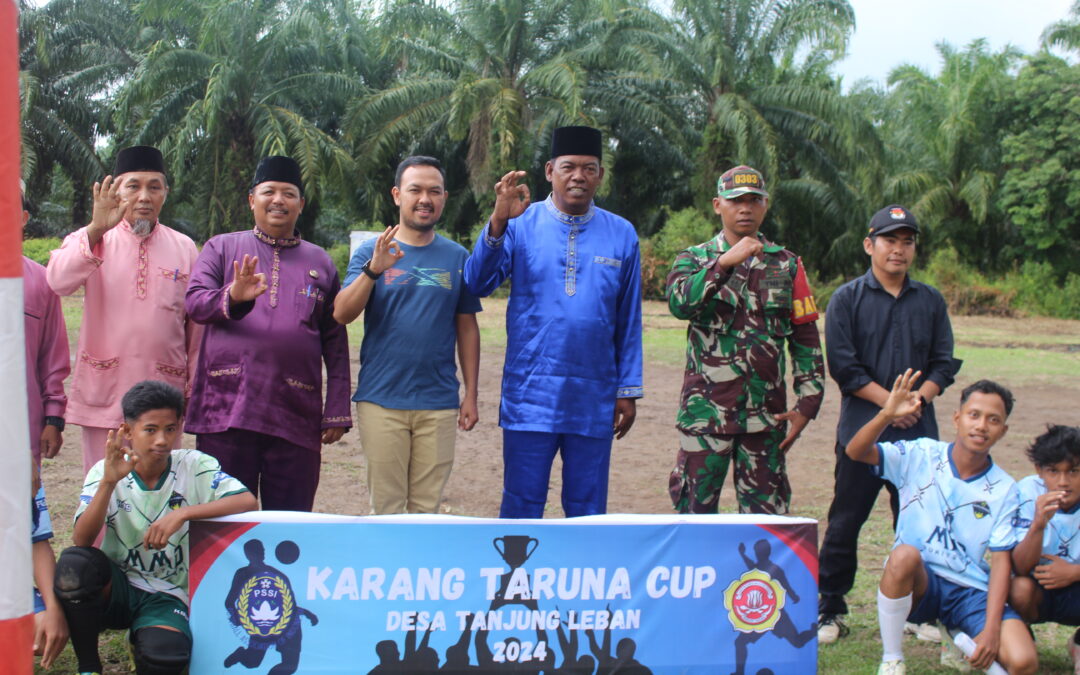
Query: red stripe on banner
{"type": "Point", "coordinates": [17, 642]}
{"type": "Point", "coordinates": [799, 538]}
{"type": "Point", "coordinates": [208, 540]}
{"type": "Point", "coordinates": [10, 203]}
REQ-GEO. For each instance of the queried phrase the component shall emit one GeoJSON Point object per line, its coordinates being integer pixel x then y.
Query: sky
{"type": "Point", "coordinates": [889, 33]}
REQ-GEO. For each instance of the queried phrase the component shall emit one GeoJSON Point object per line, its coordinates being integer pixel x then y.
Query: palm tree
{"type": "Point", "coordinates": [1064, 33]}
{"type": "Point", "coordinates": [70, 51]}
{"type": "Point", "coordinates": [945, 143]}
{"type": "Point", "coordinates": [759, 71]}
{"type": "Point", "coordinates": [244, 79]}
{"type": "Point", "coordinates": [499, 76]}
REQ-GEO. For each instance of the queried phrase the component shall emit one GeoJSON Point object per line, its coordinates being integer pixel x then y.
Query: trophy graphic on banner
{"type": "Point", "coordinates": [515, 550]}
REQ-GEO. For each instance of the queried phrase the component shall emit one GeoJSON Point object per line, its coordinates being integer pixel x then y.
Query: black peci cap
{"type": "Point", "coordinates": [138, 158]}
{"type": "Point", "coordinates": [280, 169]}
{"type": "Point", "coordinates": [576, 141]}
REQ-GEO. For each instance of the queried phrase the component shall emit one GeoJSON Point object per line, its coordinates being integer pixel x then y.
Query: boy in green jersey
{"type": "Point", "coordinates": [143, 495]}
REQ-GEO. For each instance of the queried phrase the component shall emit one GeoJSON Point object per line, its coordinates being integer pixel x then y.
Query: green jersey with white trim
{"type": "Point", "coordinates": [191, 477]}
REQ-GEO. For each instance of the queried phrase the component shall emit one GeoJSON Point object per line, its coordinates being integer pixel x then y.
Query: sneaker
{"type": "Point", "coordinates": [923, 631]}
{"type": "Point", "coordinates": [951, 656]}
{"type": "Point", "coordinates": [830, 629]}
{"type": "Point", "coordinates": [1074, 654]}
{"type": "Point", "coordinates": [892, 668]}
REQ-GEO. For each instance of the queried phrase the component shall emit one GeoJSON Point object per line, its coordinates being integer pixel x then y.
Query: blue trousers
{"type": "Point", "coordinates": [527, 458]}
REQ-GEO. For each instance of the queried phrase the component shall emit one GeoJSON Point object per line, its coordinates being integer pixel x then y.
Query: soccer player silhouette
{"type": "Point", "coordinates": [784, 628]}
{"type": "Point", "coordinates": [262, 606]}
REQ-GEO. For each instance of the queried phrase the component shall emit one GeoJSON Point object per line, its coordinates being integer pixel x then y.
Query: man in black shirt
{"type": "Point", "coordinates": [876, 327]}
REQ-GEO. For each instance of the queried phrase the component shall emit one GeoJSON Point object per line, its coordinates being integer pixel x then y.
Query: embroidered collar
{"type": "Point", "coordinates": [566, 218]}
{"type": "Point", "coordinates": [284, 242]}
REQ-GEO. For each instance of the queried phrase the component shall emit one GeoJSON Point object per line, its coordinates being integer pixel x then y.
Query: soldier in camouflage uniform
{"type": "Point", "coordinates": [744, 297]}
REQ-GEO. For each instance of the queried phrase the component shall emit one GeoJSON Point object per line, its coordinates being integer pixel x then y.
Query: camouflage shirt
{"type": "Point", "coordinates": [739, 321]}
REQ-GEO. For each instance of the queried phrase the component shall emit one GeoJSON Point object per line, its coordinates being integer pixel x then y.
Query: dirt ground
{"type": "Point", "coordinates": [642, 460]}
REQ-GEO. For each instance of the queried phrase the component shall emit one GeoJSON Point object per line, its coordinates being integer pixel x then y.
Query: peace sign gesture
{"type": "Point", "coordinates": [247, 284]}
{"type": "Point", "coordinates": [511, 200]}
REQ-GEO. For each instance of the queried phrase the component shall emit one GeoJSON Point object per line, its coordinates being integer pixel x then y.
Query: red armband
{"type": "Point", "coordinates": [803, 307]}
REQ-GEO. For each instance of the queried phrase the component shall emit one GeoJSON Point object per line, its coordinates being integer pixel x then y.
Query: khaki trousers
{"type": "Point", "coordinates": [409, 456]}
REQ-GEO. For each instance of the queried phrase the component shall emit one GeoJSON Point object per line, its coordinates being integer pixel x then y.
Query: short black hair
{"type": "Point", "coordinates": [1059, 443]}
{"type": "Point", "coordinates": [151, 395]}
{"type": "Point", "coordinates": [989, 387]}
{"type": "Point", "coordinates": [417, 160]}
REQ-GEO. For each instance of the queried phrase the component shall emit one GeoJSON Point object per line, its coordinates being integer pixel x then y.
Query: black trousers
{"type": "Point", "coordinates": [854, 493]}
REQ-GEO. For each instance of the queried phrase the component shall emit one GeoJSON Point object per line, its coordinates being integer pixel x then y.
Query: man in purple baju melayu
{"type": "Point", "coordinates": [266, 298]}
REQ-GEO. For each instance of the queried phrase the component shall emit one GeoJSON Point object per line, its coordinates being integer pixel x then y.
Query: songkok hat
{"type": "Point", "coordinates": [739, 181]}
{"type": "Point", "coordinates": [892, 217]}
{"type": "Point", "coordinates": [138, 158]}
{"type": "Point", "coordinates": [576, 141]}
{"type": "Point", "coordinates": [280, 169]}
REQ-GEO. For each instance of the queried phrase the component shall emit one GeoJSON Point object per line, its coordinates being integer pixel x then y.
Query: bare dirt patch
{"type": "Point", "coordinates": [642, 460]}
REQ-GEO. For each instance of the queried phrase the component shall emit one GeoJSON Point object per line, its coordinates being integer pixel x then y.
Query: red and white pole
{"type": "Point", "coordinates": [16, 579]}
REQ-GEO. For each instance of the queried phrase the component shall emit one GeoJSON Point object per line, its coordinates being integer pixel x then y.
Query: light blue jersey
{"type": "Point", "coordinates": [41, 530]}
{"type": "Point", "coordinates": [950, 520]}
{"type": "Point", "coordinates": [1060, 536]}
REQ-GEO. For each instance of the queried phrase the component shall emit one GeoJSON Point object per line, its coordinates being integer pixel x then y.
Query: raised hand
{"type": "Point", "coordinates": [109, 208]}
{"type": "Point", "coordinates": [902, 400]}
{"type": "Point", "coordinates": [387, 251]}
{"type": "Point", "coordinates": [511, 200]}
{"type": "Point", "coordinates": [119, 461]}
{"type": "Point", "coordinates": [247, 284]}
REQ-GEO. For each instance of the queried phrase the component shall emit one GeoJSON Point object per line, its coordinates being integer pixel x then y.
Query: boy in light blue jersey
{"type": "Point", "coordinates": [955, 505]}
{"type": "Point", "coordinates": [1047, 558]}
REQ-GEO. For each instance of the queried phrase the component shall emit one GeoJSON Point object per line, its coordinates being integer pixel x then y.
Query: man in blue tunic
{"type": "Point", "coordinates": [573, 350]}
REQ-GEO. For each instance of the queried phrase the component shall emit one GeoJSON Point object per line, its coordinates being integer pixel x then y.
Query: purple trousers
{"type": "Point", "coordinates": [282, 475]}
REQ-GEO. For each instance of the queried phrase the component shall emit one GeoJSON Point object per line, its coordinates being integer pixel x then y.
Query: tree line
{"type": "Point", "coordinates": [984, 151]}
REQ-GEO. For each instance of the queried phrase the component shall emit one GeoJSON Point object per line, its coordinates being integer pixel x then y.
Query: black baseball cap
{"type": "Point", "coordinates": [892, 217]}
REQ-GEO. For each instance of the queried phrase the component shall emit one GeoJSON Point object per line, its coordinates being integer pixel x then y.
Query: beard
{"type": "Point", "coordinates": [419, 227]}
{"type": "Point", "coordinates": [142, 227]}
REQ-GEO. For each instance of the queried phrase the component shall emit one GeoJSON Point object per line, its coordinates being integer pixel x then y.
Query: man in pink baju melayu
{"type": "Point", "coordinates": [134, 270]}
{"type": "Point", "coordinates": [48, 361]}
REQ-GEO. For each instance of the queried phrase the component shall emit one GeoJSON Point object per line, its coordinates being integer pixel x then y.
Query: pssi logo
{"type": "Point", "coordinates": [896, 214]}
{"type": "Point", "coordinates": [754, 602]}
{"type": "Point", "coordinates": [746, 179]}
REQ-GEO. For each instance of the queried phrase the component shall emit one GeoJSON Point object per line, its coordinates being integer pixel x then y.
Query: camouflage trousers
{"type": "Point", "coordinates": [761, 482]}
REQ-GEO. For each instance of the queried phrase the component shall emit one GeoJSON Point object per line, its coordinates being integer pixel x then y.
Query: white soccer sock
{"type": "Point", "coordinates": [892, 613]}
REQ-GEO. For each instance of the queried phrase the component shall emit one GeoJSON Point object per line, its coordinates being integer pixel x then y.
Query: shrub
{"type": "Point", "coordinates": [682, 229]}
{"type": "Point", "coordinates": [339, 253]}
{"type": "Point", "coordinates": [966, 290]}
{"type": "Point", "coordinates": [38, 249]}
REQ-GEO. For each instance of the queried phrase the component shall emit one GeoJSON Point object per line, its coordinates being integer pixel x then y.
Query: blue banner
{"type": "Point", "coordinates": [312, 593]}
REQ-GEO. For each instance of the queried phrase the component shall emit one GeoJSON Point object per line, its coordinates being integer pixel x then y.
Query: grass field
{"type": "Point", "coordinates": [1035, 354]}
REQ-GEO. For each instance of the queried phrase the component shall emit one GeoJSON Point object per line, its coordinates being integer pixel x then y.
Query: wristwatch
{"type": "Point", "coordinates": [57, 422]}
{"type": "Point", "coordinates": [366, 269]}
